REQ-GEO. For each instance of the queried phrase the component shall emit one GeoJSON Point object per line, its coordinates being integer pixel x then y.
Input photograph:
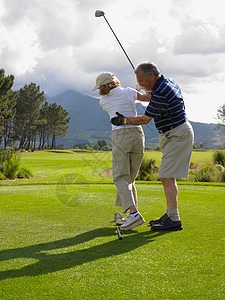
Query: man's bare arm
{"type": "Point", "coordinates": [143, 97]}
{"type": "Point", "coordinates": [139, 120]}
{"type": "Point", "coordinates": [122, 120]}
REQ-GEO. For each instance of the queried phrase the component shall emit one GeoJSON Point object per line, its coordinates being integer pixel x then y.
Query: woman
{"type": "Point", "coordinates": [127, 144]}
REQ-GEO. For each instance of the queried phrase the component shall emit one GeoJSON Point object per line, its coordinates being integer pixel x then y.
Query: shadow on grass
{"type": "Point", "coordinates": [51, 262]}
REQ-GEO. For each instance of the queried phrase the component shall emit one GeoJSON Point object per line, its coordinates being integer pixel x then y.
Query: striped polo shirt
{"type": "Point", "coordinates": [166, 105]}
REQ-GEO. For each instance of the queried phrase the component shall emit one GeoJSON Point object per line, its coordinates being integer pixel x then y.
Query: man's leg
{"type": "Point", "coordinates": [171, 220]}
{"type": "Point", "coordinates": [171, 191]}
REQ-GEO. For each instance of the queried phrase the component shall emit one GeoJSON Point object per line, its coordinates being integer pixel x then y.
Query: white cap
{"type": "Point", "coordinates": [103, 78]}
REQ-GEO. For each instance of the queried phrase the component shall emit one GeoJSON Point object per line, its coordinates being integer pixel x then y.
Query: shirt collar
{"type": "Point", "coordinates": [158, 82]}
{"type": "Point", "coordinates": [114, 90]}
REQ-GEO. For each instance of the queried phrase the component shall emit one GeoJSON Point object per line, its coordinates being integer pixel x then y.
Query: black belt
{"type": "Point", "coordinates": [171, 127]}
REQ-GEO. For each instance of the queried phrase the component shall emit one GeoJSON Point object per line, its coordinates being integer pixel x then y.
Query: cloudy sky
{"type": "Point", "coordinates": [61, 45]}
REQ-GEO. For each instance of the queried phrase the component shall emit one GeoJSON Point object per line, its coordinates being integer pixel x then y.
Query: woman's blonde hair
{"type": "Point", "coordinates": [105, 88]}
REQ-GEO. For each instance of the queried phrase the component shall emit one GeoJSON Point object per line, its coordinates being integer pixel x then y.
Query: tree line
{"type": "Point", "coordinates": [26, 118]}
{"type": "Point", "coordinates": [100, 145]}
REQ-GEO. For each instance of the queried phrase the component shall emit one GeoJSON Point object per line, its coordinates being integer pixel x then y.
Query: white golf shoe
{"type": "Point", "coordinates": [132, 222]}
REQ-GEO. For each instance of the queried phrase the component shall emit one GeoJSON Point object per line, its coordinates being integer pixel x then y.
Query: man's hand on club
{"type": "Point", "coordinates": [119, 120]}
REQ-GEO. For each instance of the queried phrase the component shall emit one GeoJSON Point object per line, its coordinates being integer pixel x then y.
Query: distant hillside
{"type": "Point", "coordinates": [90, 123]}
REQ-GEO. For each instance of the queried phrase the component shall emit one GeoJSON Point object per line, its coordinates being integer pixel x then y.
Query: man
{"type": "Point", "coordinates": [167, 109]}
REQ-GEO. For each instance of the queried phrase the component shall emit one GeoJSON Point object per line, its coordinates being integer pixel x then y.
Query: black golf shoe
{"type": "Point", "coordinates": [153, 222]}
{"type": "Point", "coordinates": [167, 224]}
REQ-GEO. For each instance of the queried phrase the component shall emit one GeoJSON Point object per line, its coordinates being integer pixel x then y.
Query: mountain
{"type": "Point", "coordinates": [90, 123]}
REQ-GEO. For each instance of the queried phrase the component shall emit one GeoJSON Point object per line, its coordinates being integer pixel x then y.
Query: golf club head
{"type": "Point", "coordinates": [117, 216]}
{"type": "Point", "coordinates": [99, 13]}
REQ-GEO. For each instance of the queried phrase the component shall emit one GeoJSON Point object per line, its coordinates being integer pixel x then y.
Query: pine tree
{"type": "Point", "coordinates": [28, 105]}
{"type": "Point", "coordinates": [42, 127]}
{"type": "Point", "coordinates": [57, 119]}
{"type": "Point", "coordinates": [52, 123]}
{"type": "Point", "coordinates": [8, 118]}
{"type": "Point", "coordinates": [7, 103]}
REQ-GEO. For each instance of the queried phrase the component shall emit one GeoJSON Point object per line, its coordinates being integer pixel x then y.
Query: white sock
{"type": "Point", "coordinates": [134, 214]}
{"type": "Point", "coordinates": [173, 214]}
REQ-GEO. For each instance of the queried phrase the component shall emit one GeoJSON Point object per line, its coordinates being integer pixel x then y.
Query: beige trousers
{"type": "Point", "coordinates": [127, 154]}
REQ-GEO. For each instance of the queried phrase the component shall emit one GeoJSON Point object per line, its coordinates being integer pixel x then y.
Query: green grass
{"type": "Point", "coordinates": [59, 241]}
{"type": "Point", "coordinates": [197, 156]}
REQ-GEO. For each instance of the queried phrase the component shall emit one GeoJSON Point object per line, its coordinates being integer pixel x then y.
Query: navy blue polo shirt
{"type": "Point", "coordinates": [166, 105]}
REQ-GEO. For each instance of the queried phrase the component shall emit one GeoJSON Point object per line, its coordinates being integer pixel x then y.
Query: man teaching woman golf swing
{"type": "Point", "coordinates": [167, 108]}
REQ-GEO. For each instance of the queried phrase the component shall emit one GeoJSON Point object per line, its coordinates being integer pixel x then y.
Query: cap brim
{"type": "Point", "coordinates": [94, 88]}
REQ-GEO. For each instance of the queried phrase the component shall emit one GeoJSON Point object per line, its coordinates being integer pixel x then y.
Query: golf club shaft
{"type": "Point", "coordinates": [119, 234]}
{"type": "Point", "coordinates": [119, 43]}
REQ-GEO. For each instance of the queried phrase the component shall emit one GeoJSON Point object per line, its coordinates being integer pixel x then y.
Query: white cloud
{"type": "Point", "coordinates": [19, 48]}
{"type": "Point", "coordinates": [199, 37]}
{"type": "Point", "coordinates": [200, 105]}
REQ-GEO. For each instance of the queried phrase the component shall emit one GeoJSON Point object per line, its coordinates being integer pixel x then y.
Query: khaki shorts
{"type": "Point", "coordinates": [176, 146]}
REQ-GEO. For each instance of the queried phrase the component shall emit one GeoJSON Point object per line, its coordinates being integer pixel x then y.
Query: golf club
{"type": "Point", "coordinates": [119, 234]}
{"type": "Point", "coordinates": [100, 13]}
